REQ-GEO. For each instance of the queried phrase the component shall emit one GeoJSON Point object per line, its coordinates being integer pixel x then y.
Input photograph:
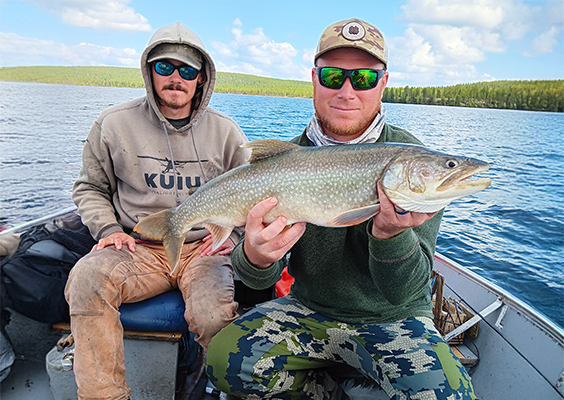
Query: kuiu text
{"type": "Point", "coordinates": [168, 181]}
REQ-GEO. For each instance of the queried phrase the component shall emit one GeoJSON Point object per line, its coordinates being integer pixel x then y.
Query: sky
{"type": "Point", "coordinates": [431, 42]}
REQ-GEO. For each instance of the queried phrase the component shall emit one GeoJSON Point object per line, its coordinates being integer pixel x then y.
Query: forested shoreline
{"type": "Point", "coordinates": [517, 95]}
{"type": "Point", "coordinates": [534, 95]}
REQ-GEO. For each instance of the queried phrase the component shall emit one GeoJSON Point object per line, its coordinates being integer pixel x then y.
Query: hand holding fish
{"type": "Point", "coordinates": [389, 223]}
{"type": "Point", "coordinates": [116, 239]}
{"type": "Point", "coordinates": [224, 249]}
{"type": "Point", "coordinates": [267, 243]}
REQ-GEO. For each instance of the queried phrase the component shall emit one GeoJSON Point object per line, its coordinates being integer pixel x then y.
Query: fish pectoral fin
{"type": "Point", "coordinates": [219, 234]}
{"type": "Point", "coordinates": [264, 148]}
{"type": "Point", "coordinates": [356, 216]}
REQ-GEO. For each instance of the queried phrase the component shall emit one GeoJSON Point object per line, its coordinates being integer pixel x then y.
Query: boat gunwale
{"type": "Point", "coordinates": [37, 221]}
{"type": "Point", "coordinates": [536, 317]}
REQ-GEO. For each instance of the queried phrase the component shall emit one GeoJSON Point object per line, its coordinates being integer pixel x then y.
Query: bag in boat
{"type": "Point", "coordinates": [34, 278]}
{"type": "Point", "coordinates": [7, 355]}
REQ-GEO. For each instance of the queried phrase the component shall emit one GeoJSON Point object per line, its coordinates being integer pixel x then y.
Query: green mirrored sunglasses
{"type": "Point", "coordinates": [361, 79]}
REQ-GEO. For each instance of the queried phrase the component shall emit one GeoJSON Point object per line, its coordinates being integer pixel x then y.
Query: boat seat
{"type": "Point", "coordinates": [162, 313]}
{"type": "Point", "coordinates": [153, 329]}
{"type": "Point", "coordinates": [466, 356]}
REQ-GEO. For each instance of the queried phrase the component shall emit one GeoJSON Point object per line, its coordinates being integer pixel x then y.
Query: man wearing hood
{"type": "Point", "coordinates": [141, 157]}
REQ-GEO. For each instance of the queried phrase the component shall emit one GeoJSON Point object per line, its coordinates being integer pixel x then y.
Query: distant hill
{"type": "Point", "coordinates": [131, 77]}
{"type": "Point", "coordinates": [541, 95]}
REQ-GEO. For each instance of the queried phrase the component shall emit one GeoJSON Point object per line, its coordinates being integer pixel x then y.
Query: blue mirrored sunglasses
{"type": "Point", "coordinates": [166, 69]}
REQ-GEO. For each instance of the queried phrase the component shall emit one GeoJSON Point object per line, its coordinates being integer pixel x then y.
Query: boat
{"type": "Point", "coordinates": [510, 349]}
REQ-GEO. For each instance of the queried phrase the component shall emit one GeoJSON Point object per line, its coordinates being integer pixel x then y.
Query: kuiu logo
{"type": "Point", "coordinates": [166, 179]}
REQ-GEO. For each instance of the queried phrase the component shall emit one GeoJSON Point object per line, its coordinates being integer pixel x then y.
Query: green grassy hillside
{"type": "Point", "coordinates": [131, 77]}
{"type": "Point", "coordinates": [546, 95]}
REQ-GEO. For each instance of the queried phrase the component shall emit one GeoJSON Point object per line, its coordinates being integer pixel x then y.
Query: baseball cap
{"type": "Point", "coordinates": [176, 51]}
{"type": "Point", "coordinates": [353, 33]}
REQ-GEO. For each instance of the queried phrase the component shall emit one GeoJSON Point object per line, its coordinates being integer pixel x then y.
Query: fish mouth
{"type": "Point", "coordinates": [465, 181]}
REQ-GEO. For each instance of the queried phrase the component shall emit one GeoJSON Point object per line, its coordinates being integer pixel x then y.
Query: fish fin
{"type": "Point", "coordinates": [155, 226]}
{"type": "Point", "coordinates": [173, 249]}
{"type": "Point", "coordinates": [192, 190]}
{"type": "Point", "coordinates": [264, 148]}
{"type": "Point", "coordinates": [356, 216]}
{"type": "Point", "coordinates": [219, 234]}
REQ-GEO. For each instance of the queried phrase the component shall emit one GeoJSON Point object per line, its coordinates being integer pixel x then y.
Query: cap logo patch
{"type": "Point", "coordinates": [353, 31]}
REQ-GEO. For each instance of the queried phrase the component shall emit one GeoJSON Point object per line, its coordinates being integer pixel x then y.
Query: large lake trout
{"type": "Point", "coordinates": [327, 186]}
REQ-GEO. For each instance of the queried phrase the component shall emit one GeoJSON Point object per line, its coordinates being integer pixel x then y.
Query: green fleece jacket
{"type": "Point", "coordinates": [347, 274]}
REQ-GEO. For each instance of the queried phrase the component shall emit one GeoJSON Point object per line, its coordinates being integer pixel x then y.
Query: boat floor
{"type": "Point", "coordinates": [31, 341]}
{"type": "Point", "coordinates": [28, 378]}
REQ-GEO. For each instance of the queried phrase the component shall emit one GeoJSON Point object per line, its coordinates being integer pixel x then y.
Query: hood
{"type": "Point", "coordinates": [180, 34]}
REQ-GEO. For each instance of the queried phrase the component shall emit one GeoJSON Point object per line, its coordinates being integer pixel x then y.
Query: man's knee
{"type": "Point", "coordinates": [227, 363]}
{"type": "Point", "coordinates": [87, 285]}
{"type": "Point", "coordinates": [209, 294]}
{"type": "Point", "coordinates": [217, 360]}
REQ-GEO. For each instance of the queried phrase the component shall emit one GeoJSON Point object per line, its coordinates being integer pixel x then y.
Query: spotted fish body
{"type": "Point", "coordinates": [327, 186]}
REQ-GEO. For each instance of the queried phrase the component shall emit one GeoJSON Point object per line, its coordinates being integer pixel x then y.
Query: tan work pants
{"type": "Point", "coordinates": [104, 279]}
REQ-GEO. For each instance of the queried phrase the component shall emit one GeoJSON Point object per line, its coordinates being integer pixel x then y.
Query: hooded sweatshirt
{"type": "Point", "coordinates": [136, 163]}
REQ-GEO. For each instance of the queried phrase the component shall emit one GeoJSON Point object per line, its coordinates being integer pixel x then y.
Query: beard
{"type": "Point", "coordinates": [174, 103]}
{"type": "Point", "coordinates": [354, 129]}
{"type": "Point", "coordinates": [349, 129]}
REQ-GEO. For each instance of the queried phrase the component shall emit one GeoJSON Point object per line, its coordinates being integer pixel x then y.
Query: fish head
{"type": "Point", "coordinates": [422, 180]}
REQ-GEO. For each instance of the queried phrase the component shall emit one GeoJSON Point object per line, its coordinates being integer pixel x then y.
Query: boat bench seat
{"type": "Point", "coordinates": [153, 329]}
{"type": "Point", "coordinates": [160, 317]}
{"type": "Point", "coordinates": [466, 356]}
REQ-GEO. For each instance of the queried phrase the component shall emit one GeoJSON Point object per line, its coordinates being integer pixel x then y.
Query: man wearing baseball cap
{"type": "Point", "coordinates": [360, 305]}
{"type": "Point", "coordinates": [141, 157]}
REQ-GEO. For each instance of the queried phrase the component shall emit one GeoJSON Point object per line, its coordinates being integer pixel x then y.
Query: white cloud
{"type": "Point", "coordinates": [426, 55]}
{"type": "Point", "coordinates": [543, 43]}
{"type": "Point", "coordinates": [109, 15]}
{"type": "Point", "coordinates": [47, 52]}
{"type": "Point", "coordinates": [224, 50]}
{"type": "Point", "coordinates": [410, 52]}
{"type": "Point", "coordinates": [552, 25]}
{"type": "Point", "coordinates": [479, 13]}
{"type": "Point", "coordinates": [257, 54]}
{"type": "Point", "coordinates": [445, 39]}
{"type": "Point", "coordinates": [460, 44]}
{"type": "Point", "coordinates": [308, 56]}
{"type": "Point", "coordinates": [243, 68]}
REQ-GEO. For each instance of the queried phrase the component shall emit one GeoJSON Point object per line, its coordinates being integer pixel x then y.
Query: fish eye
{"type": "Point", "coordinates": [451, 163]}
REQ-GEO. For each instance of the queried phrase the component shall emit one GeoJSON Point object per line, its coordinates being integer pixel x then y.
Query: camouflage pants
{"type": "Point", "coordinates": [281, 348]}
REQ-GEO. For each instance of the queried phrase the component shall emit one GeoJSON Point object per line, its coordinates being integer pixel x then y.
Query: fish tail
{"type": "Point", "coordinates": [155, 226]}
{"type": "Point", "coordinates": [173, 249]}
{"type": "Point", "coordinates": [158, 227]}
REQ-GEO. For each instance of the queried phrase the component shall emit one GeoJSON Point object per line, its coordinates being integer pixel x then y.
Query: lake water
{"type": "Point", "coordinates": [512, 233]}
